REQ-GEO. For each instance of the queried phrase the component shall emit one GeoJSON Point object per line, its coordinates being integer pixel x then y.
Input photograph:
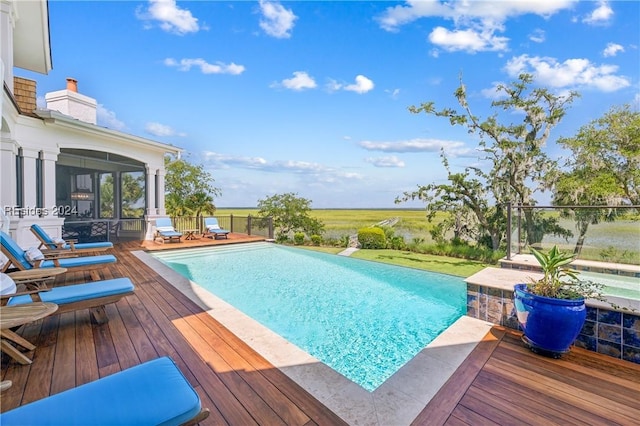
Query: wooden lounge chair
{"type": "Point", "coordinates": [212, 229]}
{"type": "Point", "coordinates": [55, 258]}
{"type": "Point", "coordinates": [93, 295]}
{"type": "Point", "coordinates": [48, 243]}
{"type": "Point", "coordinates": [166, 231]}
{"type": "Point", "coordinates": [16, 316]}
{"type": "Point", "coordinates": [153, 393]}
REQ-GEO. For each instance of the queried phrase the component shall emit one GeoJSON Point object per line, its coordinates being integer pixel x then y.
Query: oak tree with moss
{"type": "Point", "coordinates": [515, 165]}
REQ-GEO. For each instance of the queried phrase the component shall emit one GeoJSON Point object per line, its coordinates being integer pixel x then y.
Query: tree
{"type": "Point", "coordinates": [189, 189]}
{"type": "Point", "coordinates": [609, 148]}
{"type": "Point", "coordinates": [290, 213]}
{"type": "Point", "coordinates": [603, 170]}
{"type": "Point", "coordinates": [514, 153]}
{"type": "Point", "coordinates": [132, 194]}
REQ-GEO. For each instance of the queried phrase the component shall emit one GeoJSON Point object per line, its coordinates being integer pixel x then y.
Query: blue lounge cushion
{"type": "Point", "coordinates": [170, 233]}
{"type": "Point", "coordinates": [75, 293]}
{"type": "Point", "coordinates": [50, 243]}
{"type": "Point", "coordinates": [14, 250]}
{"type": "Point", "coordinates": [96, 245]}
{"type": "Point", "coordinates": [153, 393]}
{"type": "Point", "coordinates": [71, 262]}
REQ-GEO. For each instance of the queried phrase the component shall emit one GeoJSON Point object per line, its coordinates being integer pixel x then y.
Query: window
{"type": "Point", "coordinates": [107, 196]}
{"type": "Point", "coordinates": [133, 188]}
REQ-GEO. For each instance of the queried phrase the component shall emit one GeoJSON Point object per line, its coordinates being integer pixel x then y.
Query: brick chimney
{"type": "Point", "coordinates": [72, 103]}
{"type": "Point", "coordinates": [24, 92]}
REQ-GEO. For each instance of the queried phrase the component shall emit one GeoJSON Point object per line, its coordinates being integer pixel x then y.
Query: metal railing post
{"type": "Point", "coordinates": [270, 228]}
{"type": "Point", "coordinates": [519, 229]}
{"type": "Point", "coordinates": [509, 230]}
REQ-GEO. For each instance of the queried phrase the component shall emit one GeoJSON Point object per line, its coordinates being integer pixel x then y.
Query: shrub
{"type": "Point", "coordinates": [372, 238]}
{"type": "Point", "coordinates": [397, 243]}
{"type": "Point", "coordinates": [282, 238]}
{"type": "Point", "coordinates": [316, 239]}
{"type": "Point", "coordinates": [298, 238]}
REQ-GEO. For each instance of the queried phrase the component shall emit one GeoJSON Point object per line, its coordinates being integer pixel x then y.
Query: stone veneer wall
{"type": "Point", "coordinates": [606, 331]}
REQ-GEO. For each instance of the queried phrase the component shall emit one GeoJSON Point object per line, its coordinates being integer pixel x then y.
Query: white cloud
{"type": "Point", "coordinates": [537, 36]}
{"type": "Point", "coordinates": [393, 93]}
{"type": "Point", "coordinates": [318, 171]}
{"type": "Point", "coordinates": [205, 67]}
{"type": "Point", "coordinates": [469, 40]}
{"type": "Point", "coordinates": [171, 18]}
{"type": "Point", "coordinates": [362, 85]}
{"type": "Point", "coordinates": [161, 130]}
{"type": "Point", "coordinates": [108, 119]}
{"type": "Point", "coordinates": [390, 161]}
{"type": "Point", "coordinates": [300, 81]}
{"type": "Point", "coordinates": [601, 15]}
{"type": "Point", "coordinates": [612, 49]}
{"type": "Point", "coordinates": [276, 20]}
{"type": "Point", "coordinates": [462, 12]}
{"type": "Point", "coordinates": [475, 22]}
{"type": "Point", "coordinates": [571, 73]}
{"type": "Point", "coordinates": [452, 148]}
{"type": "Point", "coordinates": [332, 85]}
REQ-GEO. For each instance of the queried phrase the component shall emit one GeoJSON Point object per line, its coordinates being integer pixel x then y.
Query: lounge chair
{"type": "Point", "coordinates": [166, 231]}
{"type": "Point", "coordinates": [93, 295]}
{"type": "Point", "coordinates": [212, 229]}
{"type": "Point", "coordinates": [153, 393]}
{"type": "Point", "coordinates": [18, 258]}
{"type": "Point", "coordinates": [49, 243]}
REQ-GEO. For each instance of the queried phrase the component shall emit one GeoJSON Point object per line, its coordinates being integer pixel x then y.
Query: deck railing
{"type": "Point", "coordinates": [249, 225]}
{"type": "Point", "coordinates": [85, 231]}
{"type": "Point", "coordinates": [603, 233]}
{"type": "Point", "coordinates": [114, 230]}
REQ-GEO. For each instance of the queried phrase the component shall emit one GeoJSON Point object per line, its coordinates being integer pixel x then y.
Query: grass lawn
{"type": "Point", "coordinates": [442, 264]}
{"type": "Point", "coordinates": [445, 265]}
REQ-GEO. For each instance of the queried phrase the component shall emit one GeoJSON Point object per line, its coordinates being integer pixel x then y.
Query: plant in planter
{"type": "Point", "coordinates": [551, 311]}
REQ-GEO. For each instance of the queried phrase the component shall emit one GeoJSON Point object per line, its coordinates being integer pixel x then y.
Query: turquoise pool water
{"type": "Point", "coordinates": [363, 319]}
{"type": "Point", "coordinates": [615, 285]}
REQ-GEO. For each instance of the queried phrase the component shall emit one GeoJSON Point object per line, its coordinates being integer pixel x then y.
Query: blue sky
{"type": "Point", "coordinates": [311, 97]}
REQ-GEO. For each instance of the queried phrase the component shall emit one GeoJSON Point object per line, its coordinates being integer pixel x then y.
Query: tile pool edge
{"type": "Point", "coordinates": [397, 401]}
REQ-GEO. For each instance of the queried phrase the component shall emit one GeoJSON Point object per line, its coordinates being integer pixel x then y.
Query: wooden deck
{"type": "Point", "coordinates": [500, 383]}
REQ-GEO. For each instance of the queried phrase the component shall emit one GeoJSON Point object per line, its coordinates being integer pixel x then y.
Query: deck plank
{"type": "Point", "coordinates": [501, 382]}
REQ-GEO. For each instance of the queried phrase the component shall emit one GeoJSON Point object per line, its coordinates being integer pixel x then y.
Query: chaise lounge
{"type": "Point", "coordinates": [49, 243]}
{"type": "Point", "coordinates": [18, 258]}
{"type": "Point", "coordinates": [21, 307]}
{"type": "Point", "coordinates": [212, 229]}
{"type": "Point", "coordinates": [153, 393]}
{"type": "Point", "coordinates": [166, 231]}
{"type": "Point", "coordinates": [93, 295]}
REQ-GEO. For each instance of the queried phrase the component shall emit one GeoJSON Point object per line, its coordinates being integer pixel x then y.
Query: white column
{"type": "Point", "coordinates": [49, 179]}
{"type": "Point", "coordinates": [29, 179]}
{"type": "Point", "coordinates": [8, 153]}
{"type": "Point", "coordinates": [7, 20]}
{"type": "Point", "coordinates": [150, 191]}
{"type": "Point", "coordinates": [160, 189]}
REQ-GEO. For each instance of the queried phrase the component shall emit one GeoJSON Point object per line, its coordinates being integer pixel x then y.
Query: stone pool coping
{"type": "Point", "coordinates": [397, 401]}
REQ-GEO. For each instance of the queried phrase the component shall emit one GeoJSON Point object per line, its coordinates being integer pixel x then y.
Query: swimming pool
{"type": "Point", "coordinates": [363, 319]}
{"type": "Point", "coordinates": [614, 285]}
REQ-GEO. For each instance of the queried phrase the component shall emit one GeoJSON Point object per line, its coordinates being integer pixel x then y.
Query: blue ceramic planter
{"type": "Point", "coordinates": [550, 325]}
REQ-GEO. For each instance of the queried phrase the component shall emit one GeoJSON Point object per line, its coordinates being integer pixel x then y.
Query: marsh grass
{"type": "Point", "coordinates": [617, 241]}
{"type": "Point", "coordinates": [340, 222]}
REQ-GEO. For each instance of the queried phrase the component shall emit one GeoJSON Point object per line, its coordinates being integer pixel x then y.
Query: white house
{"type": "Point", "coordinates": [57, 166]}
